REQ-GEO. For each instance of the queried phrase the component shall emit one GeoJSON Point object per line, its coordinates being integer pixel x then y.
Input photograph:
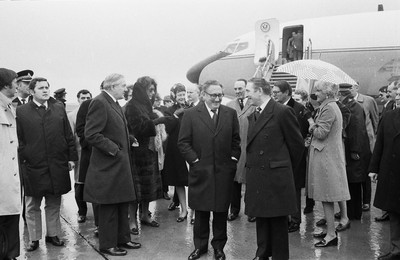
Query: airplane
{"type": "Point", "coordinates": [366, 46]}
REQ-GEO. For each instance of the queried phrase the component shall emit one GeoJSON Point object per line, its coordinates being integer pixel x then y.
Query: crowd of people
{"type": "Point", "coordinates": [271, 140]}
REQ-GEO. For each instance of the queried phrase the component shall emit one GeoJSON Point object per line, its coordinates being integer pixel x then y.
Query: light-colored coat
{"type": "Point", "coordinates": [326, 176]}
{"type": "Point", "coordinates": [248, 109]}
{"type": "Point", "coordinates": [72, 122]}
{"type": "Point", "coordinates": [371, 117]}
{"type": "Point", "coordinates": [10, 186]}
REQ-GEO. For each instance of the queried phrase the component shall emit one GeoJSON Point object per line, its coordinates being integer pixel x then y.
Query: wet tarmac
{"type": "Point", "coordinates": [366, 239]}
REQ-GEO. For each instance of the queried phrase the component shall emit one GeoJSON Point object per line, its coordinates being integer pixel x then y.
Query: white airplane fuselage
{"type": "Point", "coordinates": [366, 46]}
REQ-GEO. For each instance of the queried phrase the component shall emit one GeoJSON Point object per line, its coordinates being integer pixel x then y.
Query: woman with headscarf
{"type": "Point", "coordinates": [175, 169]}
{"type": "Point", "coordinates": [142, 123]}
{"type": "Point", "coordinates": [326, 176]}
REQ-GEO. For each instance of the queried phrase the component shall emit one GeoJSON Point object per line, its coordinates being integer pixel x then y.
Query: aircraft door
{"type": "Point", "coordinates": [267, 41]}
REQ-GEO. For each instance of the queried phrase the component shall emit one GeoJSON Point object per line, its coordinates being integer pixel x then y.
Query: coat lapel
{"type": "Point", "coordinates": [246, 107]}
{"type": "Point", "coordinates": [114, 105]}
{"type": "Point", "coordinates": [205, 116]}
{"type": "Point", "coordinates": [256, 126]}
{"type": "Point", "coordinates": [222, 117]}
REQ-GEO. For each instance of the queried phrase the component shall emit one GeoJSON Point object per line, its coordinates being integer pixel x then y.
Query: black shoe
{"type": "Point", "coordinates": [181, 219]}
{"type": "Point", "coordinates": [115, 251]}
{"type": "Point", "coordinates": [293, 227]}
{"type": "Point", "coordinates": [192, 221]}
{"type": "Point", "coordinates": [384, 217]}
{"type": "Point", "coordinates": [219, 254]}
{"type": "Point", "coordinates": [321, 222]}
{"type": "Point", "coordinates": [342, 227]}
{"type": "Point", "coordinates": [338, 215]}
{"type": "Point", "coordinates": [308, 209]}
{"type": "Point", "coordinates": [165, 196]}
{"type": "Point", "coordinates": [81, 219]}
{"type": "Point", "coordinates": [251, 219]}
{"type": "Point", "coordinates": [259, 258]}
{"type": "Point", "coordinates": [389, 256]}
{"type": "Point", "coordinates": [366, 207]}
{"type": "Point", "coordinates": [96, 232]}
{"type": "Point", "coordinates": [196, 254]}
{"type": "Point", "coordinates": [320, 235]}
{"type": "Point", "coordinates": [323, 243]}
{"type": "Point", "coordinates": [173, 206]}
{"type": "Point", "coordinates": [135, 231]}
{"type": "Point", "coordinates": [152, 223]}
{"type": "Point", "coordinates": [130, 245]}
{"type": "Point", "coordinates": [232, 216]}
{"type": "Point", "coordinates": [33, 245]}
{"type": "Point", "coordinates": [55, 241]}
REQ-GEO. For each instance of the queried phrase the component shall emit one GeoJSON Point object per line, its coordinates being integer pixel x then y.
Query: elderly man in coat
{"type": "Point", "coordinates": [274, 149]}
{"type": "Point", "coordinates": [109, 180]}
{"type": "Point", "coordinates": [209, 141]}
{"type": "Point", "coordinates": [47, 153]}
{"type": "Point", "coordinates": [385, 168]}
{"type": "Point", "coordinates": [10, 187]}
{"type": "Point", "coordinates": [244, 108]}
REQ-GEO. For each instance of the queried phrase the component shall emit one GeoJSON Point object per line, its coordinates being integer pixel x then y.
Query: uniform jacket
{"type": "Point", "coordinates": [371, 117]}
{"type": "Point", "coordinates": [356, 141]}
{"type": "Point", "coordinates": [248, 109]}
{"type": "Point", "coordinates": [10, 186]}
{"type": "Point", "coordinates": [385, 161]}
{"type": "Point", "coordinates": [109, 177]}
{"type": "Point", "coordinates": [211, 178]}
{"type": "Point", "coordinates": [274, 148]}
{"type": "Point", "coordinates": [46, 145]}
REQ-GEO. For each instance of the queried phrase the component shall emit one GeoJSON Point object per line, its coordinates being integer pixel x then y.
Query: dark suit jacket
{"type": "Point", "coordinates": [274, 147]}
{"type": "Point", "coordinates": [210, 179]}
{"type": "Point", "coordinates": [109, 177]}
{"type": "Point", "coordinates": [86, 149]}
{"type": "Point", "coordinates": [385, 161]}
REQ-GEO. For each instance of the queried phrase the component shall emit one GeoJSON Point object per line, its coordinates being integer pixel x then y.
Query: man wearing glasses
{"type": "Point", "coordinates": [209, 141]}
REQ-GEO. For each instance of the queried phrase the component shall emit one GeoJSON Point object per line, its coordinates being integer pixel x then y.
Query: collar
{"type": "Point", "coordinates": [5, 99]}
{"type": "Point", "coordinates": [196, 103]}
{"type": "Point", "coordinates": [38, 104]}
{"type": "Point", "coordinates": [209, 110]}
{"type": "Point", "coordinates": [263, 105]}
{"type": "Point", "coordinates": [287, 101]}
{"type": "Point", "coordinates": [113, 98]}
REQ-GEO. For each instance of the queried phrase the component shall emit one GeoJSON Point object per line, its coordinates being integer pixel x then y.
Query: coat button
{"type": "Point", "coordinates": [261, 152]}
{"type": "Point", "coordinates": [11, 142]}
{"type": "Point", "coordinates": [13, 158]}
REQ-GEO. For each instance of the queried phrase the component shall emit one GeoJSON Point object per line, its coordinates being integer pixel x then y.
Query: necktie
{"type": "Point", "coordinates": [257, 113]}
{"type": "Point", "coordinates": [42, 110]}
{"type": "Point", "coordinates": [241, 103]}
{"type": "Point", "coordinates": [215, 116]}
{"type": "Point", "coordinates": [23, 100]}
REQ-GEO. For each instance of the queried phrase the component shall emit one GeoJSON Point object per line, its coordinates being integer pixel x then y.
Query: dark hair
{"type": "Point", "coordinates": [284, 86]}
{"type": "Point", "coordinates": [84, 92]}
{"type": "Point", "coordinates": [126, 93]}
{"type": "Point", "coordinates": [208, 83]}
{"type": "Point", "coordinates": [178, 87]}
{"type": "Point", "coordinates": [7, 77]}
{"type": "Point", "coordinates": [245, 81]}
{"type": "Point", "coordinates": [303, 94]}
{"type": "Point", "coordinates": [383, 89]}
{"type": "Point", "coordinates": [146, 82]}
{"type": "Point", "coordinates": [261, 83]}
{"type": "Point", "coordinates": [33, 82]}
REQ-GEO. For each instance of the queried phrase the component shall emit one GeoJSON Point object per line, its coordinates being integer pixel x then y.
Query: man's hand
{"type": "Point", "coordinates": [71, 165]}
{"type": "Point", "coordinates": [373, 176]}
{"type": "Point", "coordinates": [355, 156]}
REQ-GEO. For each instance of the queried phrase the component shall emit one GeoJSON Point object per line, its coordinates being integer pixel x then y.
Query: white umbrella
{"type": "Point", "coordinates": [316, 70]}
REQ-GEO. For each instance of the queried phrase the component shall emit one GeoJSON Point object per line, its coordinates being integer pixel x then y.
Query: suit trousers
{"type": "Point", "coordinates": [297, 216]}
{"type": "Point", "coordinates": [366, 191]}
{"type": "Point", "coordinates": [34, 215]}
{"type": "Point", "coordinates": [113, 225]}
{"type": "Point", "coordinates": [10, 226]}
{"type": "Point", "coordinates": [82, 206]}
{"type": "Point", "coordinates": [236, 197]}
{"type": "Point", "coordinates": [272, 238]}
{"type": "Point", "coordinates": [394, 233]}
{"type": "Point", "coordinates": [201, 230]}
{"type": "Point", "coordinates": [354, 205]}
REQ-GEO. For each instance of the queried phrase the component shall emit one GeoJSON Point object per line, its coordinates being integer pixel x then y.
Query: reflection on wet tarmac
{"type": "Point", "coordinates": [366, 239]}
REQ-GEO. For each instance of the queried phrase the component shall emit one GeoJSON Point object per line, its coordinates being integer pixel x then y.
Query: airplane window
{"type": "Point", "coordinates": [230, 48]}
{"type": "Point", "coordinates": [235, 47]}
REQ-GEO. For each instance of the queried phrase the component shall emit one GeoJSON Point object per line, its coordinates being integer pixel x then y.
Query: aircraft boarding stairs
{"type": "Point", "coordinates": [277, 76]}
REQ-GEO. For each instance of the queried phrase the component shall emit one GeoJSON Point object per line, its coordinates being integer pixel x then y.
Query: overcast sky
{"type": "Point", "coordinates": [76, 44]}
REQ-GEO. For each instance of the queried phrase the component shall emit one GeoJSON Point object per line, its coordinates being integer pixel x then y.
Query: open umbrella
{"type": "Point", "coordinates": [316, 70]}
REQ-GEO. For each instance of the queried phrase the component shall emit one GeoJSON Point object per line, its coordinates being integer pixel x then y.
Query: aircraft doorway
{"type": "Point", "coordinates": [292, 43]}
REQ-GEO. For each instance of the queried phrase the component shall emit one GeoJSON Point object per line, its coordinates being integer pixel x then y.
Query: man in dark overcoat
{"type": "Point", "coordinates": [385, 168]}
{"type": "Point", "coordinates": [282, 93]}
{"type": "Point", "coordinates": [209, 141]}
{"type": "Point", "coordinates": [47, 153]}
{"type": "Point", "coordinates": [109, 180]}
{"type": "Point", "coordinates": [274, 144]}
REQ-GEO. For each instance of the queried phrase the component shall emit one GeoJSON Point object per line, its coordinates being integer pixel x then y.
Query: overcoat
{"type": "Point", "coordinates": [356, 141]}
{"type": "Point", "coordinates": [385, 161]}
{"type": "Point", "coordinates": [175, 169]}
{"type": "Point", "coordinates": [109, 176]}
{"type": "Point", "coordinates": [46, 145]}
{"type": "Point", "coordinates": [86, 149]}
{"type": "Point", "coordinates": [326, 175]}
{"type": "Point", "coordinates": [10, 186]}
{"type": "Point", "coordinates": [371, 117]}
{"type": "Point", "coordinates": [248, 108]}
{"type": "Point", "coordinates": [211, 178]}
{"type": "Point", "coordinates": [274, 147]}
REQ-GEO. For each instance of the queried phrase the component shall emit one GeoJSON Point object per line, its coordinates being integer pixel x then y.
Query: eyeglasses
{"type": "Point", "coordinates": [214, 96]}
{"type": "Point", "coordinates": [276, 92]}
